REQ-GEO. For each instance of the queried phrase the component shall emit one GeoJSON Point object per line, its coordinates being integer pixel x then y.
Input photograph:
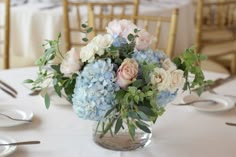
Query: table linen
{"type": "Point", "coordinates": [181, 132]}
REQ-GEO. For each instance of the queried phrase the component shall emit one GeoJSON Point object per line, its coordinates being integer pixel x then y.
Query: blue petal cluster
{"type": "Point", "coordinates": [149, 56]}
{"type": "Point", "coordinates": [119, 42]}
{"type": "Point", "coordinates": [165, 97]}
{"type": "Point", "coordinates": [94, 92]}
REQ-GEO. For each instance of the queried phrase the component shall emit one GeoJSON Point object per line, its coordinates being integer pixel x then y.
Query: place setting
{"type": "Point", "coordinates": [8, 145]}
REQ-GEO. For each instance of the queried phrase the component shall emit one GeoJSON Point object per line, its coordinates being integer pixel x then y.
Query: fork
{"type": "Point", "coordinates": [16, 119]}
{"type": "Point", "coordinates": [20, 143]}
{"type": "Point", "coordinates": [227, 95]}
{"type": "Point", "coordinates": [8, 89]}
{"type": "Point", "coordinates": [212, 102]}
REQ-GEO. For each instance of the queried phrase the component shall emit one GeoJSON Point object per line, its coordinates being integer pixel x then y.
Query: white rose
{"type": "Point", "coordinates": [71, 63]}
{"type": "Point", "coordinates": [177, 80]}
{"type": "Point", "coordinates": [168, 65]}
{"type": "Point", "coordinates": [161, 78]}
{"type": "Point", "coordinates": [102, 42]}
{"type": "Point", "coordinates": [87, 53]}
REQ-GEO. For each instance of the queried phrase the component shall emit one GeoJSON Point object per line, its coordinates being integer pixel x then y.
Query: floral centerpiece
{"type": "Point", "coordinates": [117, 79]}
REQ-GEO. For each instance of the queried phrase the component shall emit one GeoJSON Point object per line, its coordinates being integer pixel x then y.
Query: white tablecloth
{"type": "Point", "coordinates": [31, 25]}
{"type": "Point", "coordinates": [180, 132]}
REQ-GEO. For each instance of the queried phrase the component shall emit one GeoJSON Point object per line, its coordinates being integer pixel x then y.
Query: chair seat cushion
{"type": "Point", "coordinates": [219, 49]}
{"type": "Point", "coordinates": [210, 65]}
{"type": "Point", "coordinates": [217, 35]}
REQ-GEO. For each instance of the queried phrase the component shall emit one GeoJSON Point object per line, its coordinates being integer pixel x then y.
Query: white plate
{"type": "Point", "coordinates": [14, 112]}
{"type": "Point", "coordinates": [6, 150]}
{"type": "Point", "coordinates": [223, 103]}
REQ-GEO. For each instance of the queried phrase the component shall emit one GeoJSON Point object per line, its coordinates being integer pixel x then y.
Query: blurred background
{"type": "Point", "coordinates": [209, 25]}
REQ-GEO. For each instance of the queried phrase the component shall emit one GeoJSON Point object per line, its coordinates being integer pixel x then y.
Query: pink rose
{"type": "Point", "coordinates": [71, 63]}
{"type": "Point", "coordinates": [127, 72]}
{"type": "Point", "coordinates": [144, 40]}
{"type": "Point", "coordinates": [121, 28]}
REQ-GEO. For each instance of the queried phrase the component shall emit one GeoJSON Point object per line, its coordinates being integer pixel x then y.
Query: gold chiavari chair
{"type": "Point", "coordinates": [161, 27]}
{"type": "Point", "coordinates": [5, 28]}
{"type": "Point", "coordinates": [216, 31]}
{"type": "Point", "coordinates": [79, 11]}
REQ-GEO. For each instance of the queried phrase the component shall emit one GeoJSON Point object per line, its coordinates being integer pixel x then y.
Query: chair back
{"type": "Point", "coordinates": [215, 16]}
{"type": "Point", "coordinates": [5, 37]}
{"type": "Point", "coordinates": [163, 28]}
{"type": "Point", "coordinates": [216, 31]}
{"type": "Point", "coordinates": [81, 11]}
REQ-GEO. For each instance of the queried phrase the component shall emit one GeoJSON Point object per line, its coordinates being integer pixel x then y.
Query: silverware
{"type": "Point", "coordinates": [8, 89]}
{"type": "Point", "coordinates": [210, 102]}
{"type": "Point", "coordinates": [227, 95]}
{"type": "Point", "coordinates": [50, 7]}
{"type": "Point", "coordinates": [20, 143]}
{"type": "Point", "coordinates": [219, 82]}
{"type": "Point", "coordinates": [35, 92]}
{"type": "Point", "coordinates": [16, 119]}
{"type": "Point", "coordinates": [231, 124]}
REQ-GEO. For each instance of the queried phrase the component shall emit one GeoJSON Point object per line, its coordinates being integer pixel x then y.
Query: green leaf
{"type": "Point", "coordinates": [28, 81]}
{"type": "Point", "coordinates": [59, 36]}
{"type": "Point", "coordinates": [133, 115]}
{"type": "Point", "coordinates": [149, 93]}
{"type": "Point", "coordinates": [83, 25]}
{"type": "Point", "coordinates": [136, 30]}
{"type": "Point", "coordinates": [56, 68]}
{"type": "Point", "coordinates": [143, 116]}
{"type": "Point", "coordinates": [85, 39]}
{"type": "Point", "coordinates": [89, 30]}
{"type": "Point", "coordinates": [109, 111]}
{"type": "Point", "coordinates": [132, 90]}
{"type": "Point", "coordinates": [118, 125]}
{"type": "Point", "coordinates": [131, 130]}
{"type": "Point", "coordinates": [146, 110]}
{"type": "Point", "coordinates": [143, 127]}
{"type": "Point", "coordinates": [47, 100]}
{"type": "Point", "coordinates": [136, 98]}
{"type": "Point", "coordinates": [138, 83]}
{"type": "Point", "coordinates": [120, 94]}
{"type": "Point", "coordinates": [130, 37]}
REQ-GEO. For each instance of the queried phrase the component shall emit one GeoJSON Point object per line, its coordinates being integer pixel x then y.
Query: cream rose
{"type": "Point", "coordinates": [168, 65]}
{"type": "Point", "coordinates": [144, 40]}
{"type": "Point", "coordinates": [71, 63]}
{"type": "Point", "coordinates": [160, 78]}
{"type": "Point", "coordinates": [87, 53]}
{"type": "Point", "coordinates": [177, 80]}
{"type": "Point", "coordinates": [101, 42]}
{"type": "Point", "coordinates": [127, 72]}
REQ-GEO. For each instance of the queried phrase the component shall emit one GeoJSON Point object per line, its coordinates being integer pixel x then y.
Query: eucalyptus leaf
{"type": "Point", "coordinates": [47, 100]}
{"type": "Point", "coordinates": [118, 125]}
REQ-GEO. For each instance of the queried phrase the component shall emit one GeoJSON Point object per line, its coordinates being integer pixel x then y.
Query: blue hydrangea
{"type": "Point", "coordinates": [149, 56]}
{"type": "Point", "coordinates": [165, 97]}
{"type": "Point", "coordinates": [94, 92]}
{"type": "Point", "coordinates": [119, 41]}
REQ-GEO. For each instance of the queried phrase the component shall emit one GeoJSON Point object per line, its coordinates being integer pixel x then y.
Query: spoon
{"type": "Point", "coordinates": [16, 119]}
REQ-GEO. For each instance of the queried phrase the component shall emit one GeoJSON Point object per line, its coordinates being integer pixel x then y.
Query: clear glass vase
{"type": "Point", "coordinates": [121, 141]}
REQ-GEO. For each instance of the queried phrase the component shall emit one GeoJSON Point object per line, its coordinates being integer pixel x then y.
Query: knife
{"type": "Point", "coordinates": [219, 82]}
